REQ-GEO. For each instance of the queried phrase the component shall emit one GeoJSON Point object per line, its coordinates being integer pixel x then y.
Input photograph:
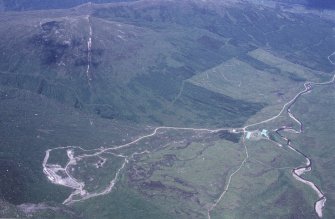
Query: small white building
{"type": "Point", "coordinates": [265, 133]}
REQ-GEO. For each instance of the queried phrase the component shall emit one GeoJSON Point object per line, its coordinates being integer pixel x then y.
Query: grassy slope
{"type": "Point", "coordinates": [31, 124]}
{"type": "Point", "coordinates": [142, 53]}
{"type": "Point", "coordinates": [137, 71]}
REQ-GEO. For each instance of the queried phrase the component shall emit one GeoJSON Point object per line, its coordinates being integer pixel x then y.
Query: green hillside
{"type": "Point", "coordinates": [148, 105]}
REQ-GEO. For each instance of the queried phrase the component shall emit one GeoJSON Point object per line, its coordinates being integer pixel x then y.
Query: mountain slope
{"type": "Point", "coordinates": [108, 76]}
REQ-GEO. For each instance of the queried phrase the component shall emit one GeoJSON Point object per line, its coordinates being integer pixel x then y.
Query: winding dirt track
{"type": "Point", "coordinates": [80, 193]}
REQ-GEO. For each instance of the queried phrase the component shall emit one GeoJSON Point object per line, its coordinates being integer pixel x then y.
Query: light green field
{"type": "Point", "coordinates": [295, 71]}
{"type": "Point", "coordinates": [240, 80]}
